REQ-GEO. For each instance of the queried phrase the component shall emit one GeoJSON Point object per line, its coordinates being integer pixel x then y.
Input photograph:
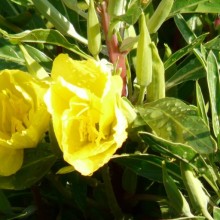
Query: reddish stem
{"type": "Point", "coordinates": [115, 56]}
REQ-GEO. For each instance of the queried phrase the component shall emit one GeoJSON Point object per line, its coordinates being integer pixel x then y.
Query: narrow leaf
{"type": "Point", "coordinates": [57, 19]}
{"type": "Point", "coordinates": [201, 104]}
{"type": "Point", "coordinates": [214, 90]}
{"type": "Point", "coordinates": [183, 51]}
{"type": "Point", "coordinates": [196, 6]}
{"type": "Point", "coordinates": [45, 36]}
{"type": "Point", "coordinates": [148, 166]}
{"type": "Point", "coordinates": [33, 67]}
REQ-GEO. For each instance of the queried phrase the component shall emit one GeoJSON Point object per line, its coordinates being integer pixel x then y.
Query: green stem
{"type": "Point", "coordinates": [129, 82]}
{"type": "Point", "coordinates": [141, 95]}
{"type": "Point", "coordinates": [113, 203]}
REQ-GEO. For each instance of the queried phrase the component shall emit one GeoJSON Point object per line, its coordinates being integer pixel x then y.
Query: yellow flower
{"type": "Point", "coordinates": [84, 100]}
{"type": "Point", "coordinates": [23, 117]}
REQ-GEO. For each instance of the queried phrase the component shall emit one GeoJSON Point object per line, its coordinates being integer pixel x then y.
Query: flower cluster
{"type": "Point", "coordinates": [85, 104]}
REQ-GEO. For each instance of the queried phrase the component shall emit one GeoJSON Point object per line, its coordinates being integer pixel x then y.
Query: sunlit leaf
{"type": "Point", "coordinates": [45, 36]}
{"type": "Point", "coordinates": [60, 22]}
{"type": "Point", "coordinates": [195, 6]}
{"type": "Point", "coordinates": [178, 122]}
{"type": "Point", "coordinates": [214, 89]}
{"type": "Point", "coordinates": [201, 104]}
{"type": "Point", "coordinates": [183, 51]}
{"type": "Point", "coordinates": [216, 212]}
{"type": "Point", "coordinates": [10, 53]}
{"type": "Point", "coordinates": [183, 153]}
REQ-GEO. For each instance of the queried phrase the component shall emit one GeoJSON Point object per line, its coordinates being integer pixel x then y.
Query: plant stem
{"type": "Point", "coordinates": [115, 56]}
{"type": "Point", "coordinates": [113, 203]}
{"type": "Point", "coordinates": [141, 95]}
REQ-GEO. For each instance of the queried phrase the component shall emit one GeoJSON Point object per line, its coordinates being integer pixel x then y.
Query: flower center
{"type": "Point", "coordinates": [89, 130]}
{"type": "Point", "coordinates": [14, 113]}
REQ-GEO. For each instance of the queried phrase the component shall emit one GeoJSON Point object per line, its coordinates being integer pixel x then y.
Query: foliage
{"type": "Point", "coordinates": [167, 54]}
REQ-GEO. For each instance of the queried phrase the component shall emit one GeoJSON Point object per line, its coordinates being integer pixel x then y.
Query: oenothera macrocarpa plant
{"type": "Point", "coordinates": [114, 101]}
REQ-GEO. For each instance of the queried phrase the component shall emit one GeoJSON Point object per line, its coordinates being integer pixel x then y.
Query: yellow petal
{"type": "Point", "coordinates": [11, 161]}
{"type": "Point", "coordinates": [86, 74]}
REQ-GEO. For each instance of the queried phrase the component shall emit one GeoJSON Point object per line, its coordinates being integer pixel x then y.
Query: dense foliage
{"type": "Point", "coordinates": [110, 109]}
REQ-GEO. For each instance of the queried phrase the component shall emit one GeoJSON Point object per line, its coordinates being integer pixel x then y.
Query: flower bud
{"type": "Point", "coordinates": [93, 31]}
{"type": "Point", "coordinates": [160, 15]}
{"type": "Point", "coordinates": [156, 89]}
{"type": "Point", "coordinates": [144, 55]}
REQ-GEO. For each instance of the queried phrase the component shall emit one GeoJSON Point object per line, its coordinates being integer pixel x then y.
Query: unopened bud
{"type": "Point", "coordinates": [93, 30]}
{"type": "Point", "coordinates": [144, 55]}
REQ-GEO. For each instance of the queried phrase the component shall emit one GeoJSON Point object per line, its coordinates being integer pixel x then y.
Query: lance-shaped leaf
{"type": "Point", "coordinates": [193, 70]}
{"type": "Point", "coordinates": [195, 6]}
{"type": "Point", "coordinates": [60, 22]}
{"type": "Point", "coordinates": [201, 104]}
{"type": "Point", "coordinates": [44, 36]}
{"type": "Point", "coordinates": [184, 51]}
{"type": "Point", "coordinates": [178, 122]}
{"type": "Point", "coordinates": [33, 67]}
{"type": "Point", "coordinates": [214, 90]}
{"type": "Point", "coordinates": [183, 153]}
{"type": "Point", "coordinates": [148, 166]}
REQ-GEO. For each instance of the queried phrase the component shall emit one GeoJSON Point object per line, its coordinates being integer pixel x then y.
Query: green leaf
{"type": "Point", "coordinates": [5, 206]}
{"type": "Point", "coordinates": [184, 51]}
{"type": "Point", "coordinates": [214, 91]}
{"type": "Point", "coordinates": [131, 16]}
{"type": "Point", "coordinates": [33, 67]}
{"type": "Point", "coordinates": [193, 70]}
{"type": "Point", "coordinates": [213, 44]}
{"type": "Point", "coordinates": [195, 6]}
{"type": "Point", "coordinates": [73, 4]}
{"type": "Point", "coordinates": [10, 53]}
{"type": "Point", "coordinates": [27, 212]}
{"type": "Point", "coordinates": [184, 153]}
{"type": "Point", "coordinates": [25, 3]}
{"type": "Point", "coordinates": [40, 57]}
{"type": "Point", "coordinates": [178, 122]}
{"type": "Point", "coordinates": [44, 36]}
{"type": "Point", "coordinates": [189, 37]}
{"type": "Point", "coordinates": [60, 22]}
{"type": "Point", "coordinates": [216, 212]}
{"type": "Point", "coordinates": [148, 166]}
{"type": "Point", "coordinates": [37, 162]}
{"type": "Point", "coordinates": [201, 104]}
{"type": "Point", "coordinates": [129, 181]}
{"type": "Point", "coordinates": [176, 150]}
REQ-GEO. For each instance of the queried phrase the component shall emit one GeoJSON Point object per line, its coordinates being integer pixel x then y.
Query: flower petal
{"type": "Point", "coordinates": [11, 161]}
